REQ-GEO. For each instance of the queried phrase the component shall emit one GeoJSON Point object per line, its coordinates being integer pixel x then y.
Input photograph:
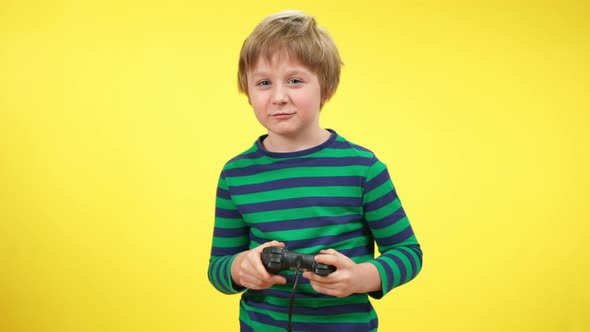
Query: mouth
{"type": "Point", "coordinates": [282, 115]}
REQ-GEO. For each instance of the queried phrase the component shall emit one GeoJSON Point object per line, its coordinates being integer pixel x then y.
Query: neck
{"type": "Point", "coordinates": [279, 143]}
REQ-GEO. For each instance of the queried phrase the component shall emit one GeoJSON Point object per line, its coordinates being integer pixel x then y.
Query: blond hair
{"type": "Point", "coordinates": [296, 35]}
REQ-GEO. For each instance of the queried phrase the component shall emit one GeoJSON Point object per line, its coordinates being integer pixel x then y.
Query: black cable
{"type": "Point", "coordinates": [292, 298]}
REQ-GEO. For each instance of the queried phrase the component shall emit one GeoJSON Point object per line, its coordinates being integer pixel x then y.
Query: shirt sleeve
{"type": "Point", "coordinates": [400, 257]}
{"type": "Point", "coordinates": [230, 237]}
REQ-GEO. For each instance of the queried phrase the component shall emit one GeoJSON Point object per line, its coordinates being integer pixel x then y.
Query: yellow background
{"type": "Point", "coordinates": [116, 118]}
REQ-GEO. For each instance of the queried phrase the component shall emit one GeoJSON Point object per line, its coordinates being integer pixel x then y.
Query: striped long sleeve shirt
{"type": "Point", "coordinates": [336, 195]}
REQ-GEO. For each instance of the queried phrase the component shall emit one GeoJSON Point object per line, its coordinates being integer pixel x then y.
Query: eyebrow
{"type": "Point", "coordinates": [294, 72]}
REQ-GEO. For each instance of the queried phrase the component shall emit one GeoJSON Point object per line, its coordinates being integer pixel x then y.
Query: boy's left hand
{"type": "Point", "coordinates": [348, 278]}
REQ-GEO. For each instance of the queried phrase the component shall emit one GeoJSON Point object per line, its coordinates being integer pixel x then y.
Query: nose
{"type": "Point", "coordinates": [279, 95]}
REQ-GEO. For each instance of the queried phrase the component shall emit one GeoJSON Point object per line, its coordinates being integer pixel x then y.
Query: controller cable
{"type": "Point", "coordinates": [299, 259]}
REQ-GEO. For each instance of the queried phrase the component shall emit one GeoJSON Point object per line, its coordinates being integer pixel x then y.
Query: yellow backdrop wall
{"type": "Point", "coordinates": [117, 116]}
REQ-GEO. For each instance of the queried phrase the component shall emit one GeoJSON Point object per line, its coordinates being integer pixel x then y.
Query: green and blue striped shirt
{"type": "Point", "coordinates": [336, 195]}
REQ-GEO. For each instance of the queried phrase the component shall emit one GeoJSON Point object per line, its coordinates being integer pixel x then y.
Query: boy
{"type": "Point", "coordinates": [306, 189]}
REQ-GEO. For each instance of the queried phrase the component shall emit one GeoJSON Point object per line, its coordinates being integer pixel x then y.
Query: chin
{"type": "Point", "coordinates": [283, 130]}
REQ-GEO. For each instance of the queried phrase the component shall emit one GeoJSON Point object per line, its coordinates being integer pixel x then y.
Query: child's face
{"type": "Point", "coordinates": [285, 96]}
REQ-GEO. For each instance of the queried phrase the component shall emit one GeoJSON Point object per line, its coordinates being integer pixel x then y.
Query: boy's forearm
{"type": "Point", "coordinates": [369, 277]}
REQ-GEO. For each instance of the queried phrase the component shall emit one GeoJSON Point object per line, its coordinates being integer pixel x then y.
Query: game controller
{"type": "Point", "coordinates": [276, 259]}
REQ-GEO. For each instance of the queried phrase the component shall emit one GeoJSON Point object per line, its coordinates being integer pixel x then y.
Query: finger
{"type": "Point", "coordinates": [327, 280]}
{"type": "Point", "coordinates": [323, 280]}
{"type": "Point", "coordinates": [276, 279]}
{"type": "Point", "coordinates": [336, 290]}
{"type": "Point", "coordinates": [331, 257]}
{"type": "Point", "coordinates": [313, 277]}
{"type": "Point", "coordinates": [252, 282]}
{"type": "Point", "coordinates": [262, 283]}
{"type": "Point", "coordinates": [269, 244]}
{"type": "Point", "coordinates": [324, 289]}
{"type": "Point", "coordinates": [256, 264]}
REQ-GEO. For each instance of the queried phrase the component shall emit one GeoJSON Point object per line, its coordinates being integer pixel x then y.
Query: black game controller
{"type": "Point", "coordinates": [276, 259]}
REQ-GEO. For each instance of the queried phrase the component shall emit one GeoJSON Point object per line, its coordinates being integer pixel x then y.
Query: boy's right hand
{"type": "Point", "coordinates": [247, 269]}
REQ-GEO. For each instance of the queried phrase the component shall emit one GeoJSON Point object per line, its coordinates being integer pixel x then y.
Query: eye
{"type": "Point", "coordinates": [294, 81]}
{"type": "Point", "coordinates": [263, 83]}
